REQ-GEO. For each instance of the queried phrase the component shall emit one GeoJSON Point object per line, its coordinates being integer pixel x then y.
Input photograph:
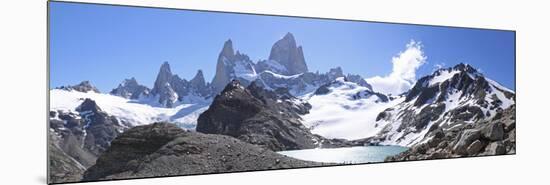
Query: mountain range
{"type": "Point", "coordinates": [278, 104]}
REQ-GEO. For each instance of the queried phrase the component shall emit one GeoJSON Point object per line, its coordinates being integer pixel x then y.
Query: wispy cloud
{"type": "Point", "coordinates": [403, 73]}
{"type": "Point", "coordinates": [439, 66]}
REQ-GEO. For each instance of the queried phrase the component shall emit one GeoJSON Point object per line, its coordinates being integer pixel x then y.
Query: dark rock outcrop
{"type": "Point", "coordinates": [163, 149]}
{"type": "Point", "coordinates": [100, 128]}
{"type": "Point", "coordinates": [258, 116]}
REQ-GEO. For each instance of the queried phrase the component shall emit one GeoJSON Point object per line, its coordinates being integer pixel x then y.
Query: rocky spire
{"type": "Point", "coordinates": [198, 81]}
{"type": "Point", "coordinates": [335, 73]}
{"type": "Point", "coordinates": [227, 50]}
{"type": "Point", "coordinates": [163, 77]}
{"type": "Point", "coordinates": [289, 55]}
{"type": "Point", "coordinates": [163, 86]}
{"type": "Point", "coordinates": [221, 78]}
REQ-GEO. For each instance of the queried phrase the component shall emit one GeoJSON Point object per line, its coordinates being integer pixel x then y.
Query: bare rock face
{"type": "Point", "coordinates": [163, 77]}
{"type": "Point", "coordinates": [258, 116]}
{"type": "Point", "coordinates": [336, 72]}
{"type": "Point", "coordinates": [232, 66]}
{"type": "Point", "coordinates": [63, 168]}
{"type": "Point", "coordinates": [84, 86]}
{"type": "Point", "coordinates": [163, 86]}
{"type": "Point", "coordinates": [100, 128]}
{"type": "Point", "coordinates": [289, 55]}
{"type": "Point", "coordinates": [130, 89]}
{"type": "Point", "coordinates": [170, 88]}
{"type": "Point", "coordinates": [163, 149]}
{"type": "Point", "coordinates": [493, 132]}
{"type": "Point", "coordinates": [199, 84]}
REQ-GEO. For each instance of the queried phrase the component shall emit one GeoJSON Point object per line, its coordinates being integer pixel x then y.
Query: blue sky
{"type": "Point", "coordinates": [106, 44]}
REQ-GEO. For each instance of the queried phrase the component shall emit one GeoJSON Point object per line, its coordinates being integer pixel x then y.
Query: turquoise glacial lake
{"type": "Point", "coordinates": [348, 155]}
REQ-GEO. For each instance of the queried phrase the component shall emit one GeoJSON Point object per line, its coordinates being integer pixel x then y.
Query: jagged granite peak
{"type": "Point", "coordinates": [257, 116]}
{"type": "Point", "coordinates": [286, 53]}
{"type": "Point", "coordinates": [163, 86]}
{"type": "Point", "coordinates": [227, 50]}
{"type": "Point", "coordinates": [130, 88]}
{"type": "Point", "coordinates": [163, 77]}
{"type": "Point", "coordinates": [198, 81]}
{"type": "Point", "coordinates": [230, 66]}
{"type": "Point", "coordinates": [84, 86]}
{"type": "Point", "coordinates": [336, 72]}
{"type": "Point", "coordinates": [170, 88]}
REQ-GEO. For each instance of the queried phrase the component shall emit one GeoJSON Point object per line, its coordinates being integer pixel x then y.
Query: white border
{"type": "Point", "coordinates": [23, 92]}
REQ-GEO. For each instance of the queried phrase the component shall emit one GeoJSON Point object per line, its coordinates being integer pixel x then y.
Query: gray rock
{"type": "Point", "coordinates": [163, 149]}
{"type": "Point", "coordinates": [62, 167]}
{"type": "Point", "coordinates": [464, 141]}
{"type": "Point", "coordinates": [495, 148]}
{"type": "Point", "coordinates": [512, 135]}
{"type": "Point", "coordinates": [467, 137]}
{"type": "Point", "coordinates": [493, 131]}
{"type": "Point", "coordinates": [475, 147]}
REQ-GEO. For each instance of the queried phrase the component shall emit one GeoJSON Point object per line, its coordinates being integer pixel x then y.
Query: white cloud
{"type": "Point", "coordinates": [439, 66]}
{"type": "Point", "coordinates": [403, 74]}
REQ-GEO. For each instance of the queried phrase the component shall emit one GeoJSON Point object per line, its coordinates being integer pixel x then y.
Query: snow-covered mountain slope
{"type": "Point", "coordinates": [447, 99]}
{"type": "Point", "coordinates": [131, 112]}
{"type": "Point", "coordinates": [343, 109]}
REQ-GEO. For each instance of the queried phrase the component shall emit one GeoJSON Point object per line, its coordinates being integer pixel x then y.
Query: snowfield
{"type": "Point", "coordinates": [130, 111]}
{"type": "Point", "coordinates": [338, 115]}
